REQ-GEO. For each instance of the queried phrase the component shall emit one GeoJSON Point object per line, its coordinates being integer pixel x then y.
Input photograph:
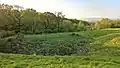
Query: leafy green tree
{"type": "Point", "coordinates": [46, 19]}
{"type": "Point", "coordinates": [13, 14]}
{"type": "Point", "coordinates": [59, 18]}
{"type": "Point", "coordinates": [116, 24]}
{"type": "Point", "coordinates": [103, 23]}
{"type": "Point", "coordinates": [29, 20]}
{"type": "Point", "coordinates": [66, 26]}
{"type": "Point", "coordinates": [6, 20]}
{"type": "Point", "coordinates": [20, 20]}
{"type": "Point", "coordinates": [17, 15]}
{"type": "Point", "coordinates": [81, 26]}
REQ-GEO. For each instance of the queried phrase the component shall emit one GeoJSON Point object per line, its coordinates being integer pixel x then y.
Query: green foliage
{"type": "Point", "coordinates": [116, 24]}
{"type": "Point", "coordinates": [103, 45]}
{"type": "Point", "coordinates": [61, 43]}
{"type": "Point", "coordinates": [115, 42]}
{"type": "Point", "coordinates": [107, 23]}
{"type": "Point", "coordinates": [31, 61]}
{"type": "Point", "coordinates": [96, 48]}
{"type": "Point", "coordinates": [4, 34]}
{"type": "Point", "coordinates": [81, 26]}
{"type": "Point", "coordinates": [66, 26]}
{"type": "Point", "coordinates": [104, 23]}
{"type": "Point", "coordinates": [29, 21]}
{"type": "Point", "coordinates": [74, 34]}
{"type": "Point", "coordinates": [76, 43]}
{"type": "Point", "coordinates": [15, 45]}
{"type": "Point", "coordinates": [51, 45]}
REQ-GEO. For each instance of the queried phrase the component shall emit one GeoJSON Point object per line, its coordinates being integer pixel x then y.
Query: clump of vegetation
{"type": "Point", "coordinates": [76, 45]}
{"type": "Point", "coordinates": [4, 34]}
{"type": "Point", "coordinates": [15, 45]}
{"type": "Point", "coordinates": [74, 34]}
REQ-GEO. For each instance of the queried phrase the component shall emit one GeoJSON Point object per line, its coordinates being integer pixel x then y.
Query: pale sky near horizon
{"type": "Point", "coordinates": [73, 8]}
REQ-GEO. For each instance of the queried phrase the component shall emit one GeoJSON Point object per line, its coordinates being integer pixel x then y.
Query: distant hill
{"type": "Point", "coordinates": [91, 19]}
{"type": "Point", "coordinates": [96, 19]}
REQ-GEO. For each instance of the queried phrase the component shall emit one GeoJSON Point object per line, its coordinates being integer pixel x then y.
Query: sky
{"type": "Point", "coordinates": [73, 8]}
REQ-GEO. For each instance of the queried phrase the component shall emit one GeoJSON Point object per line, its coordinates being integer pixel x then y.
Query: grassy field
{"type": "Point", "coordinates": [104, 53]}
{"type": "Point", "coordinates": [31, 61]}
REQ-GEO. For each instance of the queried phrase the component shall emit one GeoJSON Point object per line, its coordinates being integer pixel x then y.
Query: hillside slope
{"type": "Point", "coordinates": [104, 52]}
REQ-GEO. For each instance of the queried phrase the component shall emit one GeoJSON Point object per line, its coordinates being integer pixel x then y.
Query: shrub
{"type": "Point", "coordinates": [73, 46]}
{"type": "Point", "coordinates": [4, 34]}
{"type": "Point", "coordinates": [74, 34]}
{"type": "Point", "coordinates": [16, 45]}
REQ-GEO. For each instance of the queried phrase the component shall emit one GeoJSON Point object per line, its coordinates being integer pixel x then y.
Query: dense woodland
{"type": "Point", "coordinates": [28, 21]}
{"type": "Point", "coordinates": [17, 21]}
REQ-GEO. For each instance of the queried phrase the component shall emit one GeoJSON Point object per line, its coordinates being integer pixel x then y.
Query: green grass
{"type": "Point", "coordinates": [31, 61]}
{"type": "Point", "coordinates": [103, 54]}
{"type": "Point", "coordinates": [115, 42]}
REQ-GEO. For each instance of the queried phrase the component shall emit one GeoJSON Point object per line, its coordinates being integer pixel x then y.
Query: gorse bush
{"type": "Point", "coordinates": [15, 45]}
{"type": "Point", "coordinates": [73, 46]}
{"type": "Point", "coordinates": [66, 47]}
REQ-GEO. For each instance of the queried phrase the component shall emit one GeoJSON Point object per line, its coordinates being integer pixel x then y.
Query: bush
{"type": "Point", "coordinates": [4, 34]}
{"type": "Point", "coordinates": [74, 34]}
{"type": "Point", "coordinates": [74, 44]}
{"type": "Point", "coordinates": [19, 45]}
{"type": "Point", "coordinates": [16, 45]}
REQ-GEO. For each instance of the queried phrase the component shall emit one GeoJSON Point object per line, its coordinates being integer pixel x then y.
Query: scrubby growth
{"type": "Point", "coordinates": [73, 46]}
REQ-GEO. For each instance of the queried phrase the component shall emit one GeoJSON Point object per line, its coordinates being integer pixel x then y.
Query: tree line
{"type": "Point", "coordinates": [107, 23]}
{"type": "Point", "coordinates": [16, 19]}
{"type": "Point", "coordinates": [29, 21]}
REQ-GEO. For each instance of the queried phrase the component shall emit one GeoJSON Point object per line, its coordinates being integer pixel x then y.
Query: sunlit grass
{"type": "Point", "coordinates": [31, 61]}
{"type": "Point", "coordinates": [112, 29]}
{"type": "Point", "coordinates": [115, 42]}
